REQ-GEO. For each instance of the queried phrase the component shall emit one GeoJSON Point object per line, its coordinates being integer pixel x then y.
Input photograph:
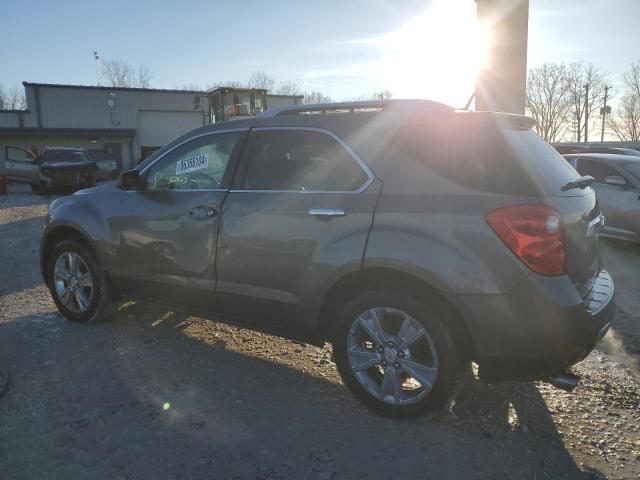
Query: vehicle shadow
{"type": "Point", "coordinates": [142, 397]}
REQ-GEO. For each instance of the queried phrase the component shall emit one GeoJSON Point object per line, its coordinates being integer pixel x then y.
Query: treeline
{"type": "Point", "coordinates": [261, 79]}
{"type": "Point", "coordinates": [566, 100]}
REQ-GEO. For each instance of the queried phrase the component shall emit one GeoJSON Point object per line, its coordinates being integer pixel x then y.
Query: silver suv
{"type": "Point", "coordinates": [414, 238]}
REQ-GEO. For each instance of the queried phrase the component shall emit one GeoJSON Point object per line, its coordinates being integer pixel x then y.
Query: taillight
{"type": "Point", "coordinates": [534, 233]}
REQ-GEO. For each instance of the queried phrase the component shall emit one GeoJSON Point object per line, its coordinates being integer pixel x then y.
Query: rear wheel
{"type": "Point", "coordinates": [78, 285]}
{"type": "Point", "coordinates": [394, 354]}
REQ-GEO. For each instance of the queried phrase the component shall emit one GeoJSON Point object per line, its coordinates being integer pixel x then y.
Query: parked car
{"type": "Point", "coordinates": [372, 226]}
{"type": "Point", "coordinates": [568, 149]}
{"type": "Point", "coordinates": [52, 167]}
{"type": "Point", "coordinates": [617, 186]}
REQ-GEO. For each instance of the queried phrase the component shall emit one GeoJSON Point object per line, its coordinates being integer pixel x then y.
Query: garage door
{"type": "Point", "coordinates": [159, 128]}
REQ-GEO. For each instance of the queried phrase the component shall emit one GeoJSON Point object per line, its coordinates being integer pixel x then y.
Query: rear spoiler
{"type": "Point", "coordinates": [508, 120]}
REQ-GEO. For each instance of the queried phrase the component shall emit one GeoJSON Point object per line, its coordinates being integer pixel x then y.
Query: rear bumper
{"type": "Point", "coordinates": [538, 329]}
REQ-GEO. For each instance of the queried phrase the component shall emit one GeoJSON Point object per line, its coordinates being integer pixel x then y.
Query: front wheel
{"type": "Point", "coordinates": [395, 355]}
{"type": "Point", "coordinates": [78, 285]}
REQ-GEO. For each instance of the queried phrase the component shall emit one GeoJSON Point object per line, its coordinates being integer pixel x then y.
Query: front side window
{"type": "Point", "coordinates": [303, 160]}
{"type": "Point", "coordinates": [196, 165]}
{"type": "Point", "coordinates": [597, 170]}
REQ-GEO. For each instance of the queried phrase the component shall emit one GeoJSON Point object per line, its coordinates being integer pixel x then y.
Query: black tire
{"type": "Point", "coordinates": [100, 302]}
{"type": "Point", "coordinates": [452, 369]}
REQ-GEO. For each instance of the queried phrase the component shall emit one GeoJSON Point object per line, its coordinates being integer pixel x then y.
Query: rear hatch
{"type": "Point", "coordinates": [578, 207]}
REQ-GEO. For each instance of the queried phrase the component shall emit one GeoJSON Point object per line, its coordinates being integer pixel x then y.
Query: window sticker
{"type": "Point", "coordinates": [191, 164]}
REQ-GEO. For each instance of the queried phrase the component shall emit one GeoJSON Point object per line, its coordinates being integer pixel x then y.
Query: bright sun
{"type": "Point", "coordinates": [438, 54]}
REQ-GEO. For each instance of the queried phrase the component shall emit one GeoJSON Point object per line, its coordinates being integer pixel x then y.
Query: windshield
{"type": "Point", "coordinates": [65, 156]}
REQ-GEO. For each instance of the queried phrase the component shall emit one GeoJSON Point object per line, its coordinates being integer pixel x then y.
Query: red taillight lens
{"type": "Point", "coordinates": [534, 233]}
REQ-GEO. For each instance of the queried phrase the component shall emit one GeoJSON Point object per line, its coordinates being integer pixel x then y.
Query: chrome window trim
{"type": "Point", "coordinates": [354, 156]}
{"type": "Point", "coordinates": [217, 132]}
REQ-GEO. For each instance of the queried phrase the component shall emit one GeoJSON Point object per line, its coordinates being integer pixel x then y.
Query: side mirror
{"type": "Point", "coordinates": [131, 180]}
{"type": "Point", "coordinates": [616, 181]}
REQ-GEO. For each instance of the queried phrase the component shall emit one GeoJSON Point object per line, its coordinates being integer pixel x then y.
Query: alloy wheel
{"type": "Point", "coordinates": [392, 356]}
{"type": "Point", "coordinates": [73, 282]}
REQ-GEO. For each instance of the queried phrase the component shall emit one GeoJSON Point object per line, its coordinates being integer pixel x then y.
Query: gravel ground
{"type": "Point", "coordinates": [157, 394]}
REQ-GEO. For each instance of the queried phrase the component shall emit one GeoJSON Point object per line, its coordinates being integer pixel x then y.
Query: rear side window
{"type": "Point", "coordinates": [486, 156]}
{"type": "Point", "coordinates": [304, 160]}
{"type": "Point", "coordinates": [541, 160]}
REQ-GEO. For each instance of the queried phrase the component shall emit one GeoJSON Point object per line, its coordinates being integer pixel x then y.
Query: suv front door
{"type": "Point", "coordinates": [165, 236]}
{"type": "Point", "coordinates": [19, 165]}
{"type": "Point", "coordinates": [298, 214]}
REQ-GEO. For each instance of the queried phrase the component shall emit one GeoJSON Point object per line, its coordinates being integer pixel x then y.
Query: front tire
{"type": "Point", "coordinates": [79, 287]}
{"type": "Point", "coordinates": [394, 353]}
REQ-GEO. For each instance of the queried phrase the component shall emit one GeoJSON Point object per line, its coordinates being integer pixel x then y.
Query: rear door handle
{"type": "Point", "coordinates": [327, 212]}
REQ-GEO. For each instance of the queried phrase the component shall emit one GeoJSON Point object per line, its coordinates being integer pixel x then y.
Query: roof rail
{"type": "Point", "coordinates": [352, 106]}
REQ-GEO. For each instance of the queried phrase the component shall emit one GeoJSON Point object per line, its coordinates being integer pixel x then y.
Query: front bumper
{"type": "Point", "coordinates": [67, 177]}
{"type": "Point", "coordinates": [539, 328]}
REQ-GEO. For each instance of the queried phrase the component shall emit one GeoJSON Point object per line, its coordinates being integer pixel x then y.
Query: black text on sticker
{"type": "Point", "coordinates": [197, 162]}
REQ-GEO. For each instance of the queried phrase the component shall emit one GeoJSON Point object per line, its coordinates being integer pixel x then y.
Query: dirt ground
{"type": "Point", "coordinates": [155, 394]}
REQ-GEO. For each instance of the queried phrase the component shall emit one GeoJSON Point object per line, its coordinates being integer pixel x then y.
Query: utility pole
{"type": "Point", "coordinates": [586, 113]}
{"type": "Point", "coordinates": [97, 57]}
{"type": "Point", "coordinates": [604, 111]}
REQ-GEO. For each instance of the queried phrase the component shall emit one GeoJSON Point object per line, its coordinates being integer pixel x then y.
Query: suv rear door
{"type": "Point", "coordinates": [19, 165]}
{"type": "Point", "coordinates": [298, 215]}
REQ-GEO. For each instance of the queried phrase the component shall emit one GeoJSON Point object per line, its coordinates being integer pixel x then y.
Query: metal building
{"type": "Point", "coordinates": [123, 124]}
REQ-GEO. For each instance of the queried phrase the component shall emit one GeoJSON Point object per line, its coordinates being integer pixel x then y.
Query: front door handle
{"type": "Point", "coordinates": [202, 212]}
{"type": "Point", "coordinates": [327, 212]}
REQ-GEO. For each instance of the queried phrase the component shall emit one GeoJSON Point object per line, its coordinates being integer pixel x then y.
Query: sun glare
{"type": "Point", "coordinates": [438, 54]}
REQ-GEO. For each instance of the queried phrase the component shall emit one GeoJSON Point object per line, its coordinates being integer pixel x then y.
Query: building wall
{"type": "Point", "coordinates": [158, 116]}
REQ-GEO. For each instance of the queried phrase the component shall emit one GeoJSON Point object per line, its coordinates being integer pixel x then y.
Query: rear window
{"type": "Point", "coordinates": [485, 156]}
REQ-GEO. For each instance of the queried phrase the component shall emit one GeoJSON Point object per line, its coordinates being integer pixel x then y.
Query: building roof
{"type": "Point", "coordinates": [95, 87]}
{"type": "Point", "coordinates": [68, 132]}
{"type": "Point", "coordinates": [154, 90]}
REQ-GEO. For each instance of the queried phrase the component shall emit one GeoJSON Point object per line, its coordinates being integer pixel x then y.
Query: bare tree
{"type": "Point", "coordinates": [120, 73]}
{"type": "Point", "coordinates": [3, 98]}
{"type": "Point", "coordinates": [381, 95]}
{"type": "Point", "coordinates": [143, 79]}
{"type": "Point", "coordinates": [579, 75]}
{"type": "Point", "coordinates": [316, 97]}
{"type": "Point", "coordinates": [548, 100]}
{"type": "Point", "coordinates": [12, 99]}
{"type": "Point", "coordinates": [228, 83]}
{"type": "Point", "coordinates": [626, 122]}
{"type": "Point", "coordinates": [260, 79]}
{"type": "Point", "coordinates": [289, 88]}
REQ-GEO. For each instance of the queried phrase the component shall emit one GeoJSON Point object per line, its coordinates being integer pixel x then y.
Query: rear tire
{"type": "Point", "coordinates": [78, 285]}
{"type": "Point", "coordinates": [424, 376]}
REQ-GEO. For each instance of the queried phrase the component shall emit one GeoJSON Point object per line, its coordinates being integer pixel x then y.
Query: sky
{"type": "Point", "coordinates": [343, 48]}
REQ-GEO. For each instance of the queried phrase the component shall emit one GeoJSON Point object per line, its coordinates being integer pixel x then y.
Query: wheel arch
{"type": "Point", "coordinates": [355, 282]}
